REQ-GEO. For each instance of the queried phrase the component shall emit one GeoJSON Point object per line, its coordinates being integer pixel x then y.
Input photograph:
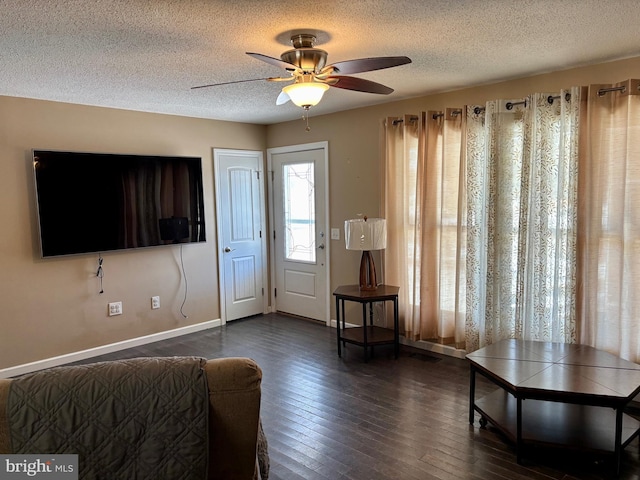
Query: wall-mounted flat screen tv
{"type": "Point", "coordinates": [96, 202]}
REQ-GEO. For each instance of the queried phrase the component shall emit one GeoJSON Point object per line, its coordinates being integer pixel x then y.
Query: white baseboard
{"type": "Point", "coordinates": [422, 345]}
{"type": "Point", "coordinates": [435, 348]}
{"type": "Point", "coordinates": [333, 324]}
{"type": "Point", "coordinates": [104, 349]}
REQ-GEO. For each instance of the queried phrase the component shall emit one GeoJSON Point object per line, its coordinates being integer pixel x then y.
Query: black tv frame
{"type": "Point", "coordinates": [98, 202]}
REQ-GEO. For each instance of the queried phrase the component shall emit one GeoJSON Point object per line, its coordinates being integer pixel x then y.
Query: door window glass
{"type": "Point", "coordinates": [299, 212]}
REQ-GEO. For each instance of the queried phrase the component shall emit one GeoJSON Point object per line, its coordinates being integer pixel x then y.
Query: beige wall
{"type": "Point", "coordinates": [355, 152]}
{"type": "Point", "coordinates": [52, 307]}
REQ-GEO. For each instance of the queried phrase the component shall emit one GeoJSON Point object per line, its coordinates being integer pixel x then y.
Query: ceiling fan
{"type": "Point", "coordinates": [311, 76]}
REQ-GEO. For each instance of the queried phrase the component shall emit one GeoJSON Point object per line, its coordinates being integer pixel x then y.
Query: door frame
{"type": "Point", "coordinates": [324, 146]}
{"type": "Point", "coordinates": [264, 228]}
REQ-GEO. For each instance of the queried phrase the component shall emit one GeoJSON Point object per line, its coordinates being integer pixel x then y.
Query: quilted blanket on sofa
{"type": "Point", "coordinates": [143, 418]}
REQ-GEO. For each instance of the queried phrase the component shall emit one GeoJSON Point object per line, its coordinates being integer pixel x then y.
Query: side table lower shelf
{"type": "Point", "coordinates": [375, 335]}
{"type": "Point", "coordinates": [558, 424]}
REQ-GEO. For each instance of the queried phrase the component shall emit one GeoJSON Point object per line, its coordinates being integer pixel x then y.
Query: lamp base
{"type": "Point", "coordinates": [368, 280]}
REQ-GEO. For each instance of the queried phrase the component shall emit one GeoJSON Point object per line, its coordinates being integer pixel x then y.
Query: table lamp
{"type": "Point", "coordinates": [366, 234]}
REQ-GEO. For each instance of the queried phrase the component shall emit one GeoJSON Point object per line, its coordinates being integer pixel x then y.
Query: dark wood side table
{"type": "Point", "coordinates": [367, 335]}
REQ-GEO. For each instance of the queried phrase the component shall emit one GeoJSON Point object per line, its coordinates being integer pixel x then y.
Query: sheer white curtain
{"type": "Point", "coordinates": [424, 207]}
{"type": "Point", "coordinates": [610, 220]}
{"type": "Point", "coordinates": [522, 219]}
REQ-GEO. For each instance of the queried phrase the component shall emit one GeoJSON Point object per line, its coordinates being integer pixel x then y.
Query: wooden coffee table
{"type": "Point", "coordinates": [557, 394]}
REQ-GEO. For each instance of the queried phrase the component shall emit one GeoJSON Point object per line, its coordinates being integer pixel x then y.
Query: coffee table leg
{"type": "Point", "coordinates": [519, 430]}
{"type": "Point", "coordinates": [472, 393]}
{"type": "Point", "coordinates": [618, 446]}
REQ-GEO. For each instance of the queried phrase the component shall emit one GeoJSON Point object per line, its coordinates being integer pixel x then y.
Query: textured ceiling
{"type": "Point", "coordinates": [146, 54]}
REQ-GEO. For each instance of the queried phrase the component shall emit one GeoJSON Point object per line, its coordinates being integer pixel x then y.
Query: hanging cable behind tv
{"type": "Point", "coordinates": [186, 286]}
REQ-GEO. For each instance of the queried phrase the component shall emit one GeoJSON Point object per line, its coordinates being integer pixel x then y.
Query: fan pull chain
{"type": "Point", "coordinates": [305, 117]}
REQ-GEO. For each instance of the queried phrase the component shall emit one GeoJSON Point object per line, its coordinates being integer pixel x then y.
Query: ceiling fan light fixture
{"type": "Point", "coordinates": [305, 94]}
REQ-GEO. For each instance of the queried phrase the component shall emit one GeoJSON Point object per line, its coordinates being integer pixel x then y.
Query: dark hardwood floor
{"type": "Point", "coordinates": [336, 418]}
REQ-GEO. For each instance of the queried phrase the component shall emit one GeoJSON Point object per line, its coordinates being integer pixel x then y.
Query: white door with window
{"type": "Point", "coordinates": [241, 234]}
{"type": "Point", "coordinates": [300, 246]}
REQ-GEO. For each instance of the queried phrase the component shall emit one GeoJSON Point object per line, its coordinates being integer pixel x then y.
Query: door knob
{"type": "Point", "coordinates": [227, 249]}
{"type": "Point", "coordinates": [321, 246]}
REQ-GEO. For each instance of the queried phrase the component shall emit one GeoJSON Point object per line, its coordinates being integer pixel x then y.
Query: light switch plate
{"type": "Point", "coordinates": [335, 234]}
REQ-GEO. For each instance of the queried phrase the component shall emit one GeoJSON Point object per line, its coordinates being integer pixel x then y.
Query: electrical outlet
{"type": "Point", "coordinates": [155, 302]}
{"type": "Point", "coordinates": [115, 308]}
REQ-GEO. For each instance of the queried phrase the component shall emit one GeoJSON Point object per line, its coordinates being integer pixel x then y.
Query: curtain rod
{"type": "Point", "coordinates": [622, 88]}
{"type": "Point", "coordinates": [453, 113]}
{"type": "Point", "coordinates": [510, 105]}
{"type": "Point", "coordinates": [603, 91]}
{"type": "Point", "coordinates": [551, 98]}
{"type": "Point", "coordinates": [400, 120]}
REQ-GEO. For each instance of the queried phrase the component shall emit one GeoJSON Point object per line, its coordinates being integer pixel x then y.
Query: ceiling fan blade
{"type": "Point", "coordinates": [368, 64]}
{"type": "Point", "coordinates": [268, 79]}
{"type": "Point", "coordinates": [359, 85]}
{"type": "Point", "coordinates": [280, 79]}
{"type": "Point", "coordinates": [282, 98]}
{"type": "Point", "coordinates": [229, 83]}
{"type": "Point", "coordinates": [274, 61]}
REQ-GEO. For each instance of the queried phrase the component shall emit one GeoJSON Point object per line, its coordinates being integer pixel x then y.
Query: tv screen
{"type": "Point", "coordinates": [96, 202]}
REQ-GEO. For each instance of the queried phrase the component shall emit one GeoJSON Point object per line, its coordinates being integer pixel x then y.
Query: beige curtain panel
{"type": "Point", "coordinates": [609, 220]}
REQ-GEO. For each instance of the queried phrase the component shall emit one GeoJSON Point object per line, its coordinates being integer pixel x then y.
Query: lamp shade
{"type": "Point", "coordinates": [307, 94]}
{"type": "Point", "coordinates": [365, 235]}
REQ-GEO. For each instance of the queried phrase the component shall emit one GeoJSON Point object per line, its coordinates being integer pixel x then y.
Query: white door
{"type": "Point", "coordinates": [241, 242]}
{"type": "Point", "coordinates": [299, 218]}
